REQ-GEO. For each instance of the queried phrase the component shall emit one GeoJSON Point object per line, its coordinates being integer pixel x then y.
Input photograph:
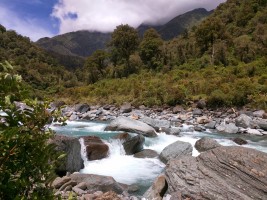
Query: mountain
{"type": "Point", "coordinates": [182, 22]}
{"type": "Point", "coordinates": [79, 43]}
{"type": "Point", "coordinates": [84, 43]}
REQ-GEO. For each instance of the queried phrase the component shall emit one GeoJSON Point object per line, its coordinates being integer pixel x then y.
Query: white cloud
{"type": "Point", "coordinates": [31, 28]}
{"type": "Point", "coordinates": [105, 15]}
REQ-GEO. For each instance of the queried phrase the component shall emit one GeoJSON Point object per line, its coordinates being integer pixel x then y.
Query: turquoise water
{"type": "Point", "coordinates": [129, 170]}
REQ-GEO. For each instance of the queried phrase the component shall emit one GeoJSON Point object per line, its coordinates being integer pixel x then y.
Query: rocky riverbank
{"type": "Point", "coordinates": [217, 173]}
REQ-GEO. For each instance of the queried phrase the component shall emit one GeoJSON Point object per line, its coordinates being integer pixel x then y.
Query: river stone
{"type": "Point", "coordinates": [126, 108]}
{"type": "Point", "coordinates": [227, 128]}
{"type": "Point", "coordinates": [171, 131]}
{"type": "Point", "coordinates": [156, 123]}
{"type": "Point", "coordinates": [259, 113]}
{"type": "Point", "coordinates": [221, 173]}
{"type": "Point", "coordinates": [177, 109]}
{"type": "Point", "coordinates": [96, 149]}
{"type": "Point", "coordinates": [98, 183]}
{"type": "Point", "coordinates": [157, 190]}
{"type": "Point", "coordinates": [134, 144]}
{"type": "Point", "coordinates": [206, 143]}
{"type": "Point", "coordinates": [262, 124]}
{"type": "Point", "coordinates": [131, 125]}
{"type": "Point", "coordinates": [176, 150]}
{"type": "Point", "coordinates": [58, 182]}
{"type": "Point", "coordinates": [211, 125]}
{"type": "Point", "coordinates": [243, 121]}
{"type": "Point", "coordinates": [239, 141]}
{"type": "Point", "coordinates": [253, 131]}
{"type": "Point", "coordinates": [81, 108]}
{"type": "Point", "coordinates": [72, 148]}
{"type": "Point", "coordinates": [201, 104]}
{"type": "Point", "coordinates": [197, 112]}
{"type": "Point", "coordinates": [203, 120]}
{"type": "Point", "coordinates": [146, 153]}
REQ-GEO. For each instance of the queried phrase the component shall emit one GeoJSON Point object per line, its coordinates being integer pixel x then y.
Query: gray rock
{"type": "Point", "coordinates": [203, 120]}
{"type": "Point", "coordinates": [259, 113]}
{"type": "Point", "coordinates": [251, 131]}
{"type": "Point", "coordinates": [177, 109]}
{"type": "Point", "coordinates": [81, 108]}
{"type": "Point", "coordinates": [227, 128]}
{"type": "Point", "coordinates": [131, 125]}
{"type": "Point", "coordinates": [146, 153]}
{"type": "Point", "coordinates": [197, 112]}
{"type": "Point", "coordinates": [171, 131]}
{"type": "Point", "coordinates": [68, 185]}
{"type": "Point", "coordinates": [221, 173]}
{"type": "Point", "coordinates": [243, 121]}
{"type": "Point", "coordinates": [72, 148]}
{"type": "Point", "coordinates": [262, 124]}
{"type": "Point", "coordinates": [126, 108]}
{"type": "Point", "coordinates": [176, 150]}
{"type": "Point", "coordinates": [155, 123]}
{"type": "Point", "coordinates": [211, 125]}
{"type": "Point", "coordinates": [134, 144]}
{"type": "Point", "coordinates": [81, 185]}
{"type": "Point", "coordinates": [206, 143]}
{"type": "Point", "coordinates": [201, 104]}
{"type": "Point", "coordinates": [98, 183]}
{"type": "Point", "coordinates": [157, 190]}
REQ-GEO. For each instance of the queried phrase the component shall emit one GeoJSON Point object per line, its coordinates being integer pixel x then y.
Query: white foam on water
{"type": "Point", "coordinates": [123, 168]}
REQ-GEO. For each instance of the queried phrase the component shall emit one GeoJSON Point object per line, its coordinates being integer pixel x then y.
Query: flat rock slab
{"type": "Point", "coordinates": [131, 125]}
{"type": "Point", "coordinates": [221, 173]}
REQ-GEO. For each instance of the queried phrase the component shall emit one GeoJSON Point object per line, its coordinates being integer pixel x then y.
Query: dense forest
{"type": "Point", "coordinates": [222, 60]}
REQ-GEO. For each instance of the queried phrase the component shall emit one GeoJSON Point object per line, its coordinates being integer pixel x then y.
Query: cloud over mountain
{"type": "Point", "coordinates": [105, 15]}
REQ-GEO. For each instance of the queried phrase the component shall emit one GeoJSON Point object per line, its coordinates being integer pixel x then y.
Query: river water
{"type": "Point", "coordinates": [129, 170]}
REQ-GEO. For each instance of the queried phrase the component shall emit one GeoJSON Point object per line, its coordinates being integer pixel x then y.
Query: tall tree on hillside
{"type": "Point", "coordinates": [124, 42]}
{"type": "Point", "coordinates": [150, 49]}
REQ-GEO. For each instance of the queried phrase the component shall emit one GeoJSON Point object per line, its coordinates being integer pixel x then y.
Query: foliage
{"type": "Point", "coordinates": [26, 160]}
{"type": "Point", "coordinates": [124, 42]}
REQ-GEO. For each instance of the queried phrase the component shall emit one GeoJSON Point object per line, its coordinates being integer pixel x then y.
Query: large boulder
{"type": "Point", "coordinates": [243, 121]}
{"type": "Point", "coordinates": [206, 143]}
{"type": "Point", "coordinates": [176, 150]}
{"type": "Point", "coordinates": [72, 148]}
{"type": "Point", "coordinates": [230, 128]}
{"type": "Point", "coordinates": [221, 173]}
{"type": "Point", "coordinates": [96, 149]}
{"type": "Point", "coordinates": [134, 144]}
{"type": "Point", "coordinates": [156, 123]}
{"type": "Point", "coordinates": [262, 124]}
{"type": "Point", "coordinates": [98, 183]}
{"type": "Point", "coordinates": [131, 125]}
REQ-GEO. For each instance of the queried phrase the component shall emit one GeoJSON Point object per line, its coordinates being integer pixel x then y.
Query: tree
{"type": "Point", "coordinates": [26, 159]}
{"type": "Point", "coordinates": [150, 49]}
{"type": "Point", "coordinates": [124, 42]}
{"type": "Point", "coordinates": [96, 64]}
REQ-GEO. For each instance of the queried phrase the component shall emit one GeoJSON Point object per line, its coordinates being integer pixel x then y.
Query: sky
{"type": "Point", "coordinates": [47, 18]}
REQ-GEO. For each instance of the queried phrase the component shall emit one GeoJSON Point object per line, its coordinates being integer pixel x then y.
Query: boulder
{"type": "Point", "coordinates": [176, 150]}
{"type": "Point", "coordinates": [243, 121]}
{"type": "Point", "coordinates": [58, 182]}
{"type": "Point", "coordinates": [197, 112]}
{"type": "Point", "coordinates": [206, 143]}
{"type": "Point", "coordinates": [201, 104]}
{"type": "Point", "coordinates": [122, 136]}
{"type": "Point", "coordinates": [72, 148]}
{"type": "Point", "coordinates": [251, 131]}
{"type": "Point", "coordinates": [146, 153]}
{"type": "Point", "coordinates": [239, 141]}
{"type": "Point", "coordinates": [227, 128]}
{"type": "Point", "coordinates": [211, 125]}
{"type": "Point", "coordinates": [98, 183]}
{"type": "Point", "coordinates": [156, 123]}
{"type": "Point", "coordinates": [82, 108]}
{"type": "Point", "coordinates": [134, 144]}
{"type": "Point", "coordinates": [171, 131]}
{"type": "Point", "coordinates": [157, 190]}
{"type": "Point", "coordinates": [131, 125]}
{"type": "Point", "coordinates": [126, 108]}
{"type": "Point", "coordinates": [262, 124]}
{"type": "Point", "coordinates": [259, 113]}
{"type": "Point", "coordinates": [221, 173]}
{"type": "Point", "coordinates": [96, 149]}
